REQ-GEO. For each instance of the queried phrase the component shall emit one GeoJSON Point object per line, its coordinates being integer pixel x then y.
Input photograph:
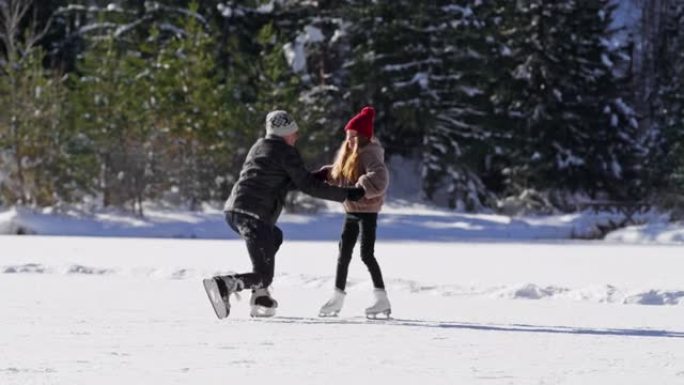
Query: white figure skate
{"type": "Point", "coordinates": [380, 306]}
{"type": "Point", "coordinates": [262, 304]}
{"type": "Point", "coordinates": [334, 305]}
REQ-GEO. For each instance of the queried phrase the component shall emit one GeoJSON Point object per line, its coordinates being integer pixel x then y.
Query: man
{"type": "Point", "coordinates": [272, 168]}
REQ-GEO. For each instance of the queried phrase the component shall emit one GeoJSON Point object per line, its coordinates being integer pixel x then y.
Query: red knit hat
{"type": "Point", "coordinates": [362, 123]}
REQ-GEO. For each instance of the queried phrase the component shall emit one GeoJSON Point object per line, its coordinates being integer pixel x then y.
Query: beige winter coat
{"type": "Point", "coordinates": [374, 179]}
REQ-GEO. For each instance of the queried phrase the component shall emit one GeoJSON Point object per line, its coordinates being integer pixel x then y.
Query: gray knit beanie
{"type": "Point", "coordinates": [280, 123]}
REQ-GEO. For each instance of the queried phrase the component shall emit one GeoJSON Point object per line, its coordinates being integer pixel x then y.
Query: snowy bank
{"type": "Point", "coordinates": [658, 232]}
{"type": "Point", "coordinates": [398, 222]}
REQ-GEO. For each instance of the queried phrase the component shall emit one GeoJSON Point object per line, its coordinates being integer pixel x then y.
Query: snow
{"type": "Point", "coordinates": [650, 233]}
{"type": "Point", "coordinates": [626, 19]}
{"type": "Point", "coordinates": [477, 299]}
{"type": "Point", "coordinates": [312, 34]}
{"type": "Point", "coordinates": [606, 61]}
{"type": "Point", "coordinates": [616, 169]}
{"type": "Point", "coordinates": [453, 8]}
{"type": "Point", "coordinates": [226, 12]}
{"type": "Point", "coordinates": [178, 32]}
{"type": "Point", "coordinates": [295, 56]}
{"type": "Point", "coordinates": [341, 31]}
{"type": "Point", "coordinates": [295, 52]}
{"type": "Point", "coordinates": [624, 108]}
{"type": "Point", "coordinates": [123, 310]}
{"type": "Point", "coordinates": [266, 8]}
{"type": "Point", "coordinates": [614, 121]}
{"type": "Point", "coordinates": [420, 78]}
{"type": "Point", "coordinates": [96, 26]}
{"type": "Point", "coordinates": [112, 7]}
{"type": "Point", "coordinates": [471, 91]}
{"type": "Point", "coordinates": [565, 158]}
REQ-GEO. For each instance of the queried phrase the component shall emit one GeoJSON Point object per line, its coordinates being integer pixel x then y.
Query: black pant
{"type": "Point", "coordinates": [263, 241]}
{"type": "Point", "coordinates": [366, 223]}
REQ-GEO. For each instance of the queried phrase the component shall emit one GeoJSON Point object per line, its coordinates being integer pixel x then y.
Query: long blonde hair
{"type": "Point", "coordinates": [346, 168]}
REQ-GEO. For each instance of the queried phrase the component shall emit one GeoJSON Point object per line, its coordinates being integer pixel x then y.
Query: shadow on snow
{"type": "Point", "coordinates": [520, 328]}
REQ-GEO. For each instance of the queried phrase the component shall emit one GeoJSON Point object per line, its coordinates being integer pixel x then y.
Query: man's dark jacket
{"type": "Point", "coordinates": [273, 168]}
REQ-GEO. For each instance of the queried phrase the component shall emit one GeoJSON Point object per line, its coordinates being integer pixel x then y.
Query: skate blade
{"type": "Point", "coordinates": [262, 312]}
{"type": "Point", "coordinates": [215, 299]}
{"type": "Point", "coordinates": [331, 314]}
{"type": "Point", "coordinates": [374, 316]}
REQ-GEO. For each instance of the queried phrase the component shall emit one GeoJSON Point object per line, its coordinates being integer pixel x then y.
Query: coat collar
{"type": "Point", "coordinates": [274, 137]}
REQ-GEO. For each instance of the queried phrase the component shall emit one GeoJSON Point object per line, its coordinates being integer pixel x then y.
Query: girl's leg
{"type": "Point", "coordinates": [369, 223]}
{"type": "Point", "coordinates": [350, 233]}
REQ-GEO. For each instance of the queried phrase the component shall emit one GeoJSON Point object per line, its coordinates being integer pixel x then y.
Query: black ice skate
{"type": "Point", "coordinates": [219, 290]}
{"type": "Point", "coordinates": [262, 304]}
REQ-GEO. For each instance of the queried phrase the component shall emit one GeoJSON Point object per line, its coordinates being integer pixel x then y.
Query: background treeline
{"type": "Point", "coordinates": [534, 103]}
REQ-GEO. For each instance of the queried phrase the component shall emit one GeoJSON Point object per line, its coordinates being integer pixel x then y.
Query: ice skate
{"type": "Point", "coordinates": [334, 305]}
{"type": "Point", "coordinates": [262, 304]}
{"type": "Point", "coordinates": [380, 306]}
{"type": "Point", "coordinates": [219, 290]}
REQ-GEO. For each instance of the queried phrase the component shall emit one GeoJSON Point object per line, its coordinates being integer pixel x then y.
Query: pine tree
{"type": "Point", "coordinates": [174, 120]}
{"type": "Point", "coordinates": [615, 151]}
{"type": "Point", "coordinates": [323, 97]}
{"type": "Point", "coordinates": [387, 65]}
{"type": "Point", "coordinates": [30, 135]}
{"type": "Point", "coordinates": [578, 135]}
{"type": "Point", "coordinates": [463, 144]}
{"type": "Point", "coordinates": [504, 174]}
{"type": "Point", "coordinates": [670, 106]}
{"type": "Point", "coordinates": [276, 85]}
{"type": "Point", "coordinates": [195, 128]}
{"type": "Point", "coordinates": [111, 109]}
{"type": "Point", "coordinates": [281, 63]}
{"type": "Point", "coordinates": [432, 76]}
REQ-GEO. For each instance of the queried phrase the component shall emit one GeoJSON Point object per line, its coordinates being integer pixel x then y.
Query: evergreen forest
{"type": "Point", "coordinates": [549, 103]}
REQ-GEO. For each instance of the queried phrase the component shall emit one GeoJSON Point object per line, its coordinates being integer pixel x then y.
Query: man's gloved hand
{"type": "Point", "coordinates": [355, 193]}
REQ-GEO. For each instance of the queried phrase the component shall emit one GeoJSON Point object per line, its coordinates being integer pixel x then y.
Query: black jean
{"type": "Point", "coordinates": [263, 241]}
{"type": "Point", "coordinates": [355, 223]}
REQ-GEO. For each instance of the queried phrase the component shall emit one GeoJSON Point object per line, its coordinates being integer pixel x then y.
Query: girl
{"type": "Point", "coordinates": [360, 163]}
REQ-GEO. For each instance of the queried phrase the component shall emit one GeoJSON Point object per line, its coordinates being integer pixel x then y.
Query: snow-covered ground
{"type": "Point", "coordinates": [476, 300]}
